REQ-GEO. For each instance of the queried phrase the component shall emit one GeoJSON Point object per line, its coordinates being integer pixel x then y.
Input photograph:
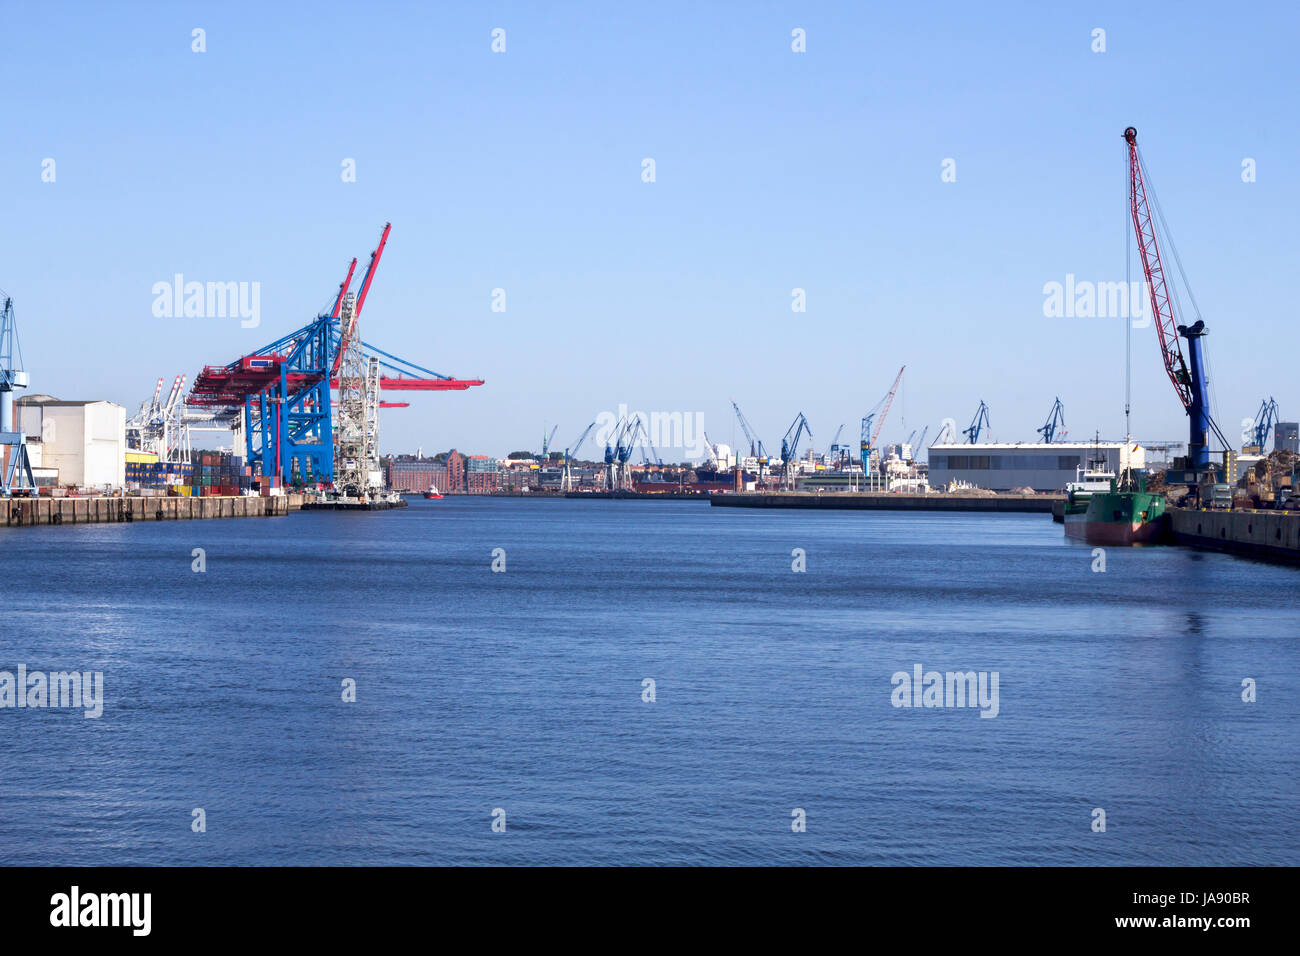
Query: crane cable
{"type": "Point", "coordinates": [1187, 286]}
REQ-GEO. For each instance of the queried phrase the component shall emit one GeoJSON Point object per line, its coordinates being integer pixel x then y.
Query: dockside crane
{"type": "Point", "coordinates": [920, 442]}
{"type": "Point", "coordinates": [570, 454]}
{"type": "Point", "coordinates": [871, 432]}
{"type": "Point", "coordinates": [836, 451]}
{"type": "Point", "coordinates": [790, 448]}
{"type": "Point", "coordinates": [978, 424]}
{"type": "Point", "coordinates": [1055, 420]}
{"type": "Point", "coordinates": [633, 430]}
{"type": "Point", "coordinates": [1265, 419]}
{"type": "Point", "coordinates": [756, 449]}
{"type": "Point", "coordinates": [1187, 373]}
{"type": "Point", "coordinates": [16, 475]}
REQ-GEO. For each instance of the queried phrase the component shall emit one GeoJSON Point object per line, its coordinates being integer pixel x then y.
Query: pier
{"type": "Point", "coordinates": [1274, 535]}
{"type": "Point", "coordinates": [26, 512]}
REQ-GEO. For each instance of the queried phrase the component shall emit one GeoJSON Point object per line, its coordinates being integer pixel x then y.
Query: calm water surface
{"type": "Point", "coordinates": [479, 690]}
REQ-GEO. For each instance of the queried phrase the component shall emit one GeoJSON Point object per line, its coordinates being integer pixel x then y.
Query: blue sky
{"type": "Point", "coordinates": [774, 170]}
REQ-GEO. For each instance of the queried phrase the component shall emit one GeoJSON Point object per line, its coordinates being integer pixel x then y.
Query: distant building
{"type": "Point", "coordinates": [481, 475]}
{"type": "Point", "coordinates": [1286, 437]}
{"type": "Point", "coordinates": [456, 474]}
{"type": "Point", "coordinates": [84, 441]}
{"type": "Point", "coordinates": [415, 475]}
{"type": "Point", "coordinates": [1043, 467]}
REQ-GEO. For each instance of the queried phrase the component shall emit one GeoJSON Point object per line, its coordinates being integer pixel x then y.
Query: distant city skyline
{"type": "Point", "coordinates": [916, 183]}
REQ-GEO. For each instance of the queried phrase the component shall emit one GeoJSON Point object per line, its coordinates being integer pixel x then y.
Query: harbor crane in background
{"type": "Point", "coordinates": [790, 448]}
{"type": "Point", "coordinates": [15, 465]}
{"type": "Point", "coordinates": [1055, 420]}
{"type": "Point", "coordinates": [1265, 419]}
{"type": "Point", "coordinates": [161, 427]}
{"type": "Point", "coordinates": [920, 442]}
{"type": "Point", "coordinates": [571, 453]}
{"type": "Point", "coordinates": [980, 422]}
{"type": "Point", "coordinates": [871, 432]}
{"type": "Point", "coordinates": [839, 454]}
{"type": "Point", "coordinates": [756, 449]}
{"type": "Point", "coordinates": [618, 473]}
{"type": "Point", "coordinates": [1187, 373]}
{"type": "Point", "coordinates": [712, 459]}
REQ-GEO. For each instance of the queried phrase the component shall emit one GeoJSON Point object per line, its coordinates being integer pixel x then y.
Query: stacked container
{"type": "Point", "coordinates": [216, 475]}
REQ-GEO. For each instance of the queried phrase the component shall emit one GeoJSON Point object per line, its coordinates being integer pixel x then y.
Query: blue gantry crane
{"type": "Point", "coordinates": [16, 475]}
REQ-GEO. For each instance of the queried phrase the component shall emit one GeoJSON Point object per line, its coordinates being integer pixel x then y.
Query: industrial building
{"type": "Point", "coordinates": [84, 441]}
{"type": "Point", "coordinates": [1040, 466]}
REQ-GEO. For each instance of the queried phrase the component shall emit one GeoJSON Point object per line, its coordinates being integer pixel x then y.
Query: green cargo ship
{"type": "Point", "coordinates": [1117, 516]}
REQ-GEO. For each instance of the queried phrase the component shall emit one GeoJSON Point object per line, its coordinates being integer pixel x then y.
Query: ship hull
{"type": "Point", "coordinates": [1118, 518]}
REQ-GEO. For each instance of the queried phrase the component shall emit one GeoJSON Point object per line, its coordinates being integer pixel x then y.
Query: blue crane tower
{"type": "Point", "coordinates": [790, 447]}
{"type": "Point", "coordinates": [1055, 420]}
{"type": "Point", "coordinates": [1265, 419]}
{"type": "Point", "coordinates": [980, 423]}
{"type": "Point", "coordinates": [16, 475]}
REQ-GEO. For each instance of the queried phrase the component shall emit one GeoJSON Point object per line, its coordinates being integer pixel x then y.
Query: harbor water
{"type": "Point", "coordinates": [520, 695]}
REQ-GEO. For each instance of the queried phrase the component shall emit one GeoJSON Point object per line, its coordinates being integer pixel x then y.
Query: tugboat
{"type": "Point", "coordinates": [433, 492]}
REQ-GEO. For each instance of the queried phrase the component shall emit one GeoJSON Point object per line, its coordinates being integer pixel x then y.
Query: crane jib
{"type": "Point", "coordinates": [1162, 308]}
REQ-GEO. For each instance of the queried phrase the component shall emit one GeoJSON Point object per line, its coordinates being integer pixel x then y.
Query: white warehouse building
{"type": "Point", "coordinates": [1043, 467]}
{"type": "Point", "coordinates": [85, 441]}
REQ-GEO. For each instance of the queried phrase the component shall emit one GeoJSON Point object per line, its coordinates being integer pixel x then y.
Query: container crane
{"type": "Point", "coordinates": [16, 473]}
{"type": "Point", "coordinates": [1055, 420]}
{"type": "Point", "coordinates": [281, 397]}
{"type": "Point", "coordinates": [1186, 373]}
{"type": "Point", "coordinates": [790, 448]}
{"type": "Point", "coordinates": [980, 422]}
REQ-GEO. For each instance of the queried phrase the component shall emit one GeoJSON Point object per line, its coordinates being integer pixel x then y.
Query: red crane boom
{"type": "Point", "coordinates": [1162, 307]}
{"type": "Point", "coordinates": [884, 410]}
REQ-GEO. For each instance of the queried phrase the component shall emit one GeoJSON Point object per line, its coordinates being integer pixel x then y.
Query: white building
{"type": "Point", "coordinates": [1043, 467]}
{"type": "Point", "coordinates": [85, 441]}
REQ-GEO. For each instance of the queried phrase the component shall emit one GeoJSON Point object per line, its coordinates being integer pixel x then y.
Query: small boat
{"type": "Point", "coordinates": [433, 492]}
